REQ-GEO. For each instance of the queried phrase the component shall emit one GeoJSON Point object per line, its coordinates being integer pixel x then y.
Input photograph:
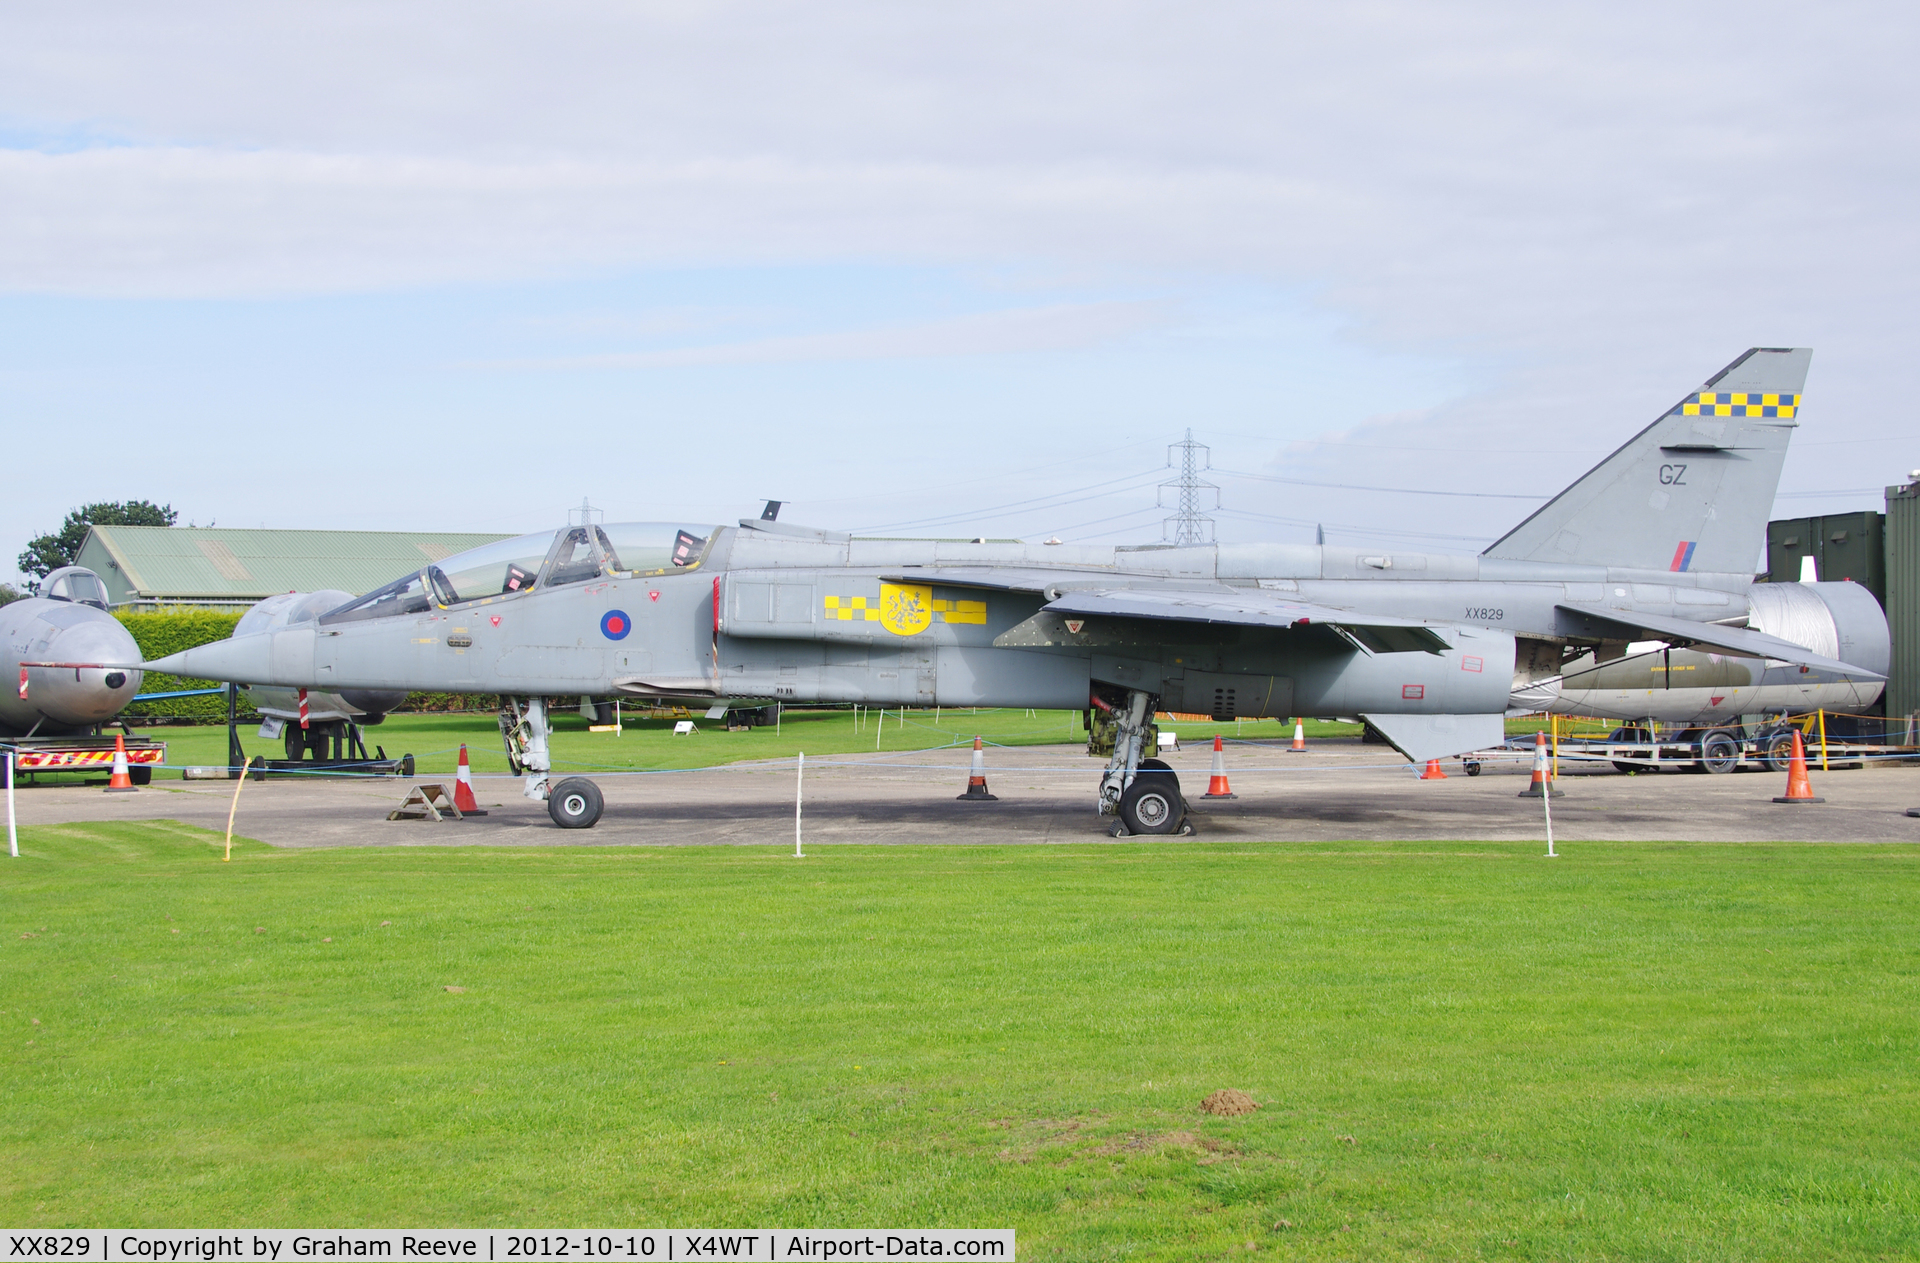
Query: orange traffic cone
{"type": "Point", "coordinates": [1217, 786]}
{"type": "Point", "coordinates": [1799, 788]}
{"type": "Point", "coordinates": [1542, 786]}
{"type": "Point", "coordinates": [1299, 734]}
{"type": "Point", "coordinates": [463, 798]}
{"type": "Point", "coordinates": [977, 779]}
{"type": "Point", "coordinates": [1433, 772]}
{"type": "Point", "coordinates": [121, 783]}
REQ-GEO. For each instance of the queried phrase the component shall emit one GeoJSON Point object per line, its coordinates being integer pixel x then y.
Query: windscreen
{"type": "Point", "coordinates": [402, 596]}
{"type": "Point", "coordinates": [77, 584]}
{"type": "Point", "coordinates": [653, 547]}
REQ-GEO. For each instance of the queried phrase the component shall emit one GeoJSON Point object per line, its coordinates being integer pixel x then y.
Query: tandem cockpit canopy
{"type": "Point", "coordinates": [547, 559]}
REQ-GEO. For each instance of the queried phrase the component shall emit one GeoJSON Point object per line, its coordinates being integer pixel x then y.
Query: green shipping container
{"type": "Point", "coordinates": [1843, 545]}
{"type": "Point", "coordinates": [1902, 598]}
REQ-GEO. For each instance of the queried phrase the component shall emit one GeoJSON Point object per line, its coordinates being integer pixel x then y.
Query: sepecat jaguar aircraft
{"type": "Point", "coordinates": [1657, 542]}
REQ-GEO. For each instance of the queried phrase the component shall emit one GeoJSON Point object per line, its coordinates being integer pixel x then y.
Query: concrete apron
{"type": "Point", "coordinates": [1336, 791]}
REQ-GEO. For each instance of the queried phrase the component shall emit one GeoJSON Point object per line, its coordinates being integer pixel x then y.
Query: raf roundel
{"type": "Point", "coordinates": [615, 625]}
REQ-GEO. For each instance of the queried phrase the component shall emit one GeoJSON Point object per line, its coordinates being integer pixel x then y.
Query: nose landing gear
{"type": "Point", "coordinates": [1142, 791]}
{"type": "Point", "coordinates": [573, 803]}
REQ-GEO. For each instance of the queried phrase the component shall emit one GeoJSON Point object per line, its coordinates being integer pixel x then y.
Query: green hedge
{"type": "Point", "coordinates": [169, 632]}
{"type": "Point", "coordinates": [488, 702]}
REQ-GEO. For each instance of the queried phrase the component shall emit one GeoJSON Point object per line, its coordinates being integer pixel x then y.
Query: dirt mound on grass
{"type": "Point", "coordinates": [1229, 1103]}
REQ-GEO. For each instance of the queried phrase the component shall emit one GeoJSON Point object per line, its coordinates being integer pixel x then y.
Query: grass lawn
{"type": "Point", "coordinates": [1643, 1051]}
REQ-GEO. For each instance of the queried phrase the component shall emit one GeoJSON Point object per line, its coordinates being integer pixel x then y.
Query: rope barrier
{"type": "Point", "coordinates": [1573, 734]}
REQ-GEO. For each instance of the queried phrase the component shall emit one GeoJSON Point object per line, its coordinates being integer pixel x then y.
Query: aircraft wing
{"type": "Point", "coordinates": [1248, 607]}
{"type": "Point", "coordinates": [1741, 641]}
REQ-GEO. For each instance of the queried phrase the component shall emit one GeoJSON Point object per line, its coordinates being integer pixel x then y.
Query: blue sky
{"type": "Point", "coordinates": [869, 396]}
{"type": "Point", "coordinates": [448, 266]}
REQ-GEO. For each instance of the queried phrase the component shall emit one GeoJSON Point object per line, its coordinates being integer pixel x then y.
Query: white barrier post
{"type": "Point", "coordinates": [799, 782]}
{"type": "Point", "coordinates": [1546, 802]}
{"type": "Point", "coordinates": [13, 837]}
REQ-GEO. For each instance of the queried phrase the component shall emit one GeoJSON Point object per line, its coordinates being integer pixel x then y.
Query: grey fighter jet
{"type": "Point", "coordinates": [1657, 542]}
{"type": "Point", "coordinates": [63, 633]}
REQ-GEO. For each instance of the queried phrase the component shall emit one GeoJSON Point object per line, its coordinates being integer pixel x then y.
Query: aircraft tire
{"type": "Point", "coordinates": [1719, 752]}
{"type": "Point", "coordinates": [1152, 804]}
{"type": "Point", "coordinates": [1162, 768]}
{"type": "Point", "coordinates": [575, 803]}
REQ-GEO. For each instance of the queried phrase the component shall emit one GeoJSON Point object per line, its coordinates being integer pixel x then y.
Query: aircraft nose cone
{"type": "Point", "coordinates": [87, 695]}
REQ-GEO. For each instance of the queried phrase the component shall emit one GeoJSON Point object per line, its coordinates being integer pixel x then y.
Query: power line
{"type": "Point", "coordinates": [1112, 486]}
{"type": "Point", "coordinates": [1398, 491]}
{"type": "Point", "coordinates": [999, 475]}
{"type": "Point", "coordinates": [1365, 530]}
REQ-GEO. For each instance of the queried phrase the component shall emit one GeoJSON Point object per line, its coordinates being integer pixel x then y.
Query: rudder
{"type": "Point", "coordinates": [1692, 491]}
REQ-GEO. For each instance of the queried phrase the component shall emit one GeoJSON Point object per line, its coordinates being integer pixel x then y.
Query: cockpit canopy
{"type": "Point", "coordinates": [547, 559]}
{"type": "Point", "coordinates": [77, 584]}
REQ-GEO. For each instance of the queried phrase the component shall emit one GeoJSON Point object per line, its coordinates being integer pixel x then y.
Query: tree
{"type": "Point", "coordinates": [50, 552]}
{"type": "Point", "coordinates": [9, 594]}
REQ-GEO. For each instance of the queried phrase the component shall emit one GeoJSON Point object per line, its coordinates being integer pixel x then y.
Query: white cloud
{"type": "Point", "coordinates": [1471, 171]}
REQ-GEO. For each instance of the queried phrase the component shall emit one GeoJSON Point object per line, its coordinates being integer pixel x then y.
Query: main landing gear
{"type": "Point", "coordinates": [574, 802]}
{"type": "Point", "coordinates": [1142, 791]}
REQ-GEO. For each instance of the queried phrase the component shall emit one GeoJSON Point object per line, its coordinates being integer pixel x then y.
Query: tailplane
{"type": "Point", "coordinates": [1692, 491]}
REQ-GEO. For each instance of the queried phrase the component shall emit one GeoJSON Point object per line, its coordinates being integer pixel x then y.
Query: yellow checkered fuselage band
{"type": "Point", "coordinates": [853, 609]}
{"type": "Point", "coordinates": [861, 609]}
{"type": "Point", "coordinates": [1736, 403]}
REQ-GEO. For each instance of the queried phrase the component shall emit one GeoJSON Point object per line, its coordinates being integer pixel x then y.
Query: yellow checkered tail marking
{"type": "Point", "coordinates": [1707, 403]}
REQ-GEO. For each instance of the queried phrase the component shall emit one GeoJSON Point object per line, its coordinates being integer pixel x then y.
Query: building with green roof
{"type": "Point", "coordinates": [152, 567]}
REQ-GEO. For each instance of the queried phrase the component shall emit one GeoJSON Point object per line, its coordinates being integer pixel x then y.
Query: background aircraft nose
{"type": "Point", "coordinates": [97, 694]}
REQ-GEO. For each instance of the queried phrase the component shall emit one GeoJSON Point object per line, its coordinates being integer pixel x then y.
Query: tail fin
{"type": "Point", "coordinates": [1690, 492]}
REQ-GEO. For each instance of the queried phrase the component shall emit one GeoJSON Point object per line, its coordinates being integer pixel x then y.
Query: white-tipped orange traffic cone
{"type": "Point", "coordinates": [1217, 786]}
{"type": "Point", "coordinates": [463, 788]}
{"type": "Point", "coordinates": [1799, 788]}
{"type": "Point", "coordinates": [1299, 734]}
{"type": "Point", "coordinates": [122, 782]}
{"type": "Point", "coordinates": [977, 779]}
{"type": "Point", "coordinates": [1433, 772]}
{"type": "Point", "coordinates": [1542, 785]}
